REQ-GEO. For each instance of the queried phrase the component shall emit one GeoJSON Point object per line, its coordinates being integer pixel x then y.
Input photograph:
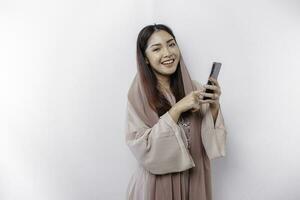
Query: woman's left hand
{"type": "Point", "coordinates": [215, 96]}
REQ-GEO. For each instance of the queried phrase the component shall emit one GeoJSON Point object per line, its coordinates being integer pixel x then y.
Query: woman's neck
{"type": "Point", "coordinates": [163, 83]}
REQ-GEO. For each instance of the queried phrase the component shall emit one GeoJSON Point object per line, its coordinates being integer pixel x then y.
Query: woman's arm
{"type": "Point", "coordinates": [214, 108]}
{"type": "Point", "coordinates": [213, 131]}
{"type": "Point", "coordinates": [175, 113]}
{"type": "Point", "coordinates": [159, 149]}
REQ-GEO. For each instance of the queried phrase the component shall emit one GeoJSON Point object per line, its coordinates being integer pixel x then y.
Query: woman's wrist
{"type": "Point", "coordinates": [215, 106]}
{"type": "Point", "coordinates": [175, 112]}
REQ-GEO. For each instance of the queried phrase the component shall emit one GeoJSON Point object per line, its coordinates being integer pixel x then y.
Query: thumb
{"type": "Point", "coordinates": [197, 92]}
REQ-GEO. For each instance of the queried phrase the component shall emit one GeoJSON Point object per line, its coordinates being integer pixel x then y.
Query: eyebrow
{"type": "Point", "coordinates": [160, 44]}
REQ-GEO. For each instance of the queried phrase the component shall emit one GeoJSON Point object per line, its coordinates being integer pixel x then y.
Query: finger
{"type": "Point", "coordinates": [212, 87]}
{"type": "Point", "coordinates": [215, 81]}
{"type": "Point", "coordinates": [211, 101]}
{"type": "Point", "coordinates": [200, 97]}
{"type": "Point", "coordinates": [207, 101]}
{"type": "Point", "coordinates": [201, 89]}
{"type": "Point", "coordinates": [215, 90]}
{"type": "Point", "coordinates": [218, 92]}
{"type": "Point", "coordinates": [216, 95]}
{"type": "Point", "coordinates": [198, 94]}
{"type": "Point", "coordinates": [208, 94]}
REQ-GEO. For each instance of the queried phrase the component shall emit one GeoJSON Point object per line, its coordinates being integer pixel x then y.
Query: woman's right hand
{"type": "Point", "coordinates": [192, 101]}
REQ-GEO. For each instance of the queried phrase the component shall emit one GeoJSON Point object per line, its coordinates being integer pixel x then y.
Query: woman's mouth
{"type": "Point", "coordinates": [168, 62]}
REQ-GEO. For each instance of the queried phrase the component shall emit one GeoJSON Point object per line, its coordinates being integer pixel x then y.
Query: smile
{"type": "Point", "coordinates": [168, 62]}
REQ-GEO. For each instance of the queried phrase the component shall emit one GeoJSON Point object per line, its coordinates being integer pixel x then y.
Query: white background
{"type": "Point", "coordinates": [66, 67]}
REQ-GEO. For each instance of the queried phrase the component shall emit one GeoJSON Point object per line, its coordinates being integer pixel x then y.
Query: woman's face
{"type": "Point", "coordinates": [162, 53]}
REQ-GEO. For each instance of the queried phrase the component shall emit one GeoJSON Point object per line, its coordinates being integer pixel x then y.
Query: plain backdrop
{"type": "Point", "coordinates": [66, 67]}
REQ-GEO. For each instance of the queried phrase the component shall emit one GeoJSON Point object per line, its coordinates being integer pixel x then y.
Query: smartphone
{"type": "Point", "coordinates": [213, 73]}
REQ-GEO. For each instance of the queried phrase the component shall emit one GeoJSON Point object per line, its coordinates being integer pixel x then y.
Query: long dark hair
{"type": "Point", "coordinates": [156, 99]}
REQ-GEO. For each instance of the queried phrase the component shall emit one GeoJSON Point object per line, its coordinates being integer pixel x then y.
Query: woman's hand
{"type": "Point", "coordinates": [215, 96]}
{"type": "Point", "coordinates": [194, 100]}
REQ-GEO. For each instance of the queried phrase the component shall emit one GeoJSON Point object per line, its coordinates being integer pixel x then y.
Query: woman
{"type": "Point", "coordinates": [172, 132]}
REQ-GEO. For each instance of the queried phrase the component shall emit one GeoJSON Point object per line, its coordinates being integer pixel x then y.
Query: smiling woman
{"type": "Point", "coordinates": [166, 52]}
{"type": "Point", "coordinates": [170, 128]}
{"type": "Point", "coordinates": [163, 55]}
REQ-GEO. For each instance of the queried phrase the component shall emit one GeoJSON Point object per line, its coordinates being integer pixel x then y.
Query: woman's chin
{"type": "Point", "coordinates": [169, 70]}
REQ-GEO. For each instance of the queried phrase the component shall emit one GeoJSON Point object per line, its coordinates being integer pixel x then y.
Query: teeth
{"type": "Point", "coordinates": [168, 62]}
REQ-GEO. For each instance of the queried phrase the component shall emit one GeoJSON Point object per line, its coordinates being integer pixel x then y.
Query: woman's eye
{"type": "Point", "coordinates": [172, 44]}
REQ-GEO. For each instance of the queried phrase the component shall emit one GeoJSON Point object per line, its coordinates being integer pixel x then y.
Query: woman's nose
{"type": "Point", "coordinates": [166, 52]}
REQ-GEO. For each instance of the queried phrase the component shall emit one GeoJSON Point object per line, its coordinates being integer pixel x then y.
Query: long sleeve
{"type": "Point", "coordinates": [159, 149]}
{"type": "Point", "coordinates": [213, 134]}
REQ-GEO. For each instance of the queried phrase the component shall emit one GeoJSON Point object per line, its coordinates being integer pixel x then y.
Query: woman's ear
{"type": "Point", "coordinates": [146, 60]}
